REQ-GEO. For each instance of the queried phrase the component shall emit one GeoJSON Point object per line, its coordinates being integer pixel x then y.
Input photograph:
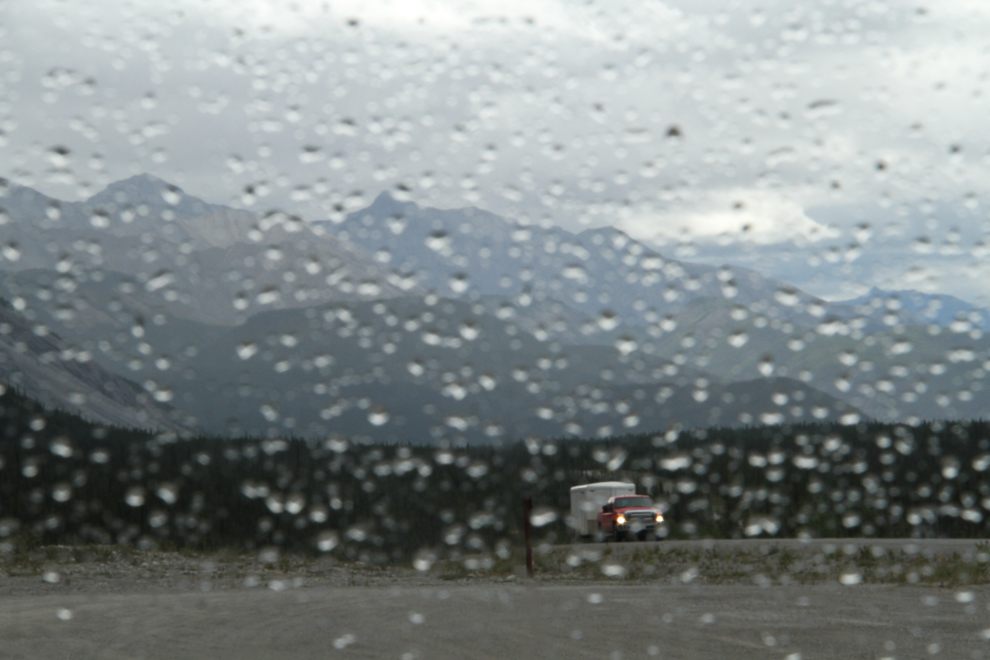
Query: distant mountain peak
{"type": "Point", "coordinates": [939, 308]}
{"type": "Point", "coordinates": [144, 177]}
{"type": "Point", "coordinates": [601, 235]}
{"type": "Point", "coordinates": [385, 204]}
{"type": "Point", "coordinates": [154, 192]}
{"type": "Point", "coordinates": [386, 207]}
{"type": "Point", "coordinates": [384, 197]}
{"type": "Point", "coordinates": [141, 188]}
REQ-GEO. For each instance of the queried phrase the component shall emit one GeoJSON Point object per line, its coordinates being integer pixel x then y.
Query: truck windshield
{"type": "Point", "coordinates": [625, 502]}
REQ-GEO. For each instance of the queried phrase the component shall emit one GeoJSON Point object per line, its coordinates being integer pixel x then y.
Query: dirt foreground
{"type": "Point", "coordinates": [155, 605]}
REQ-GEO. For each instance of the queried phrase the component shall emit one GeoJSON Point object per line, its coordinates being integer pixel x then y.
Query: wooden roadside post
{"type": "Point", "coordinates": [527, 512]}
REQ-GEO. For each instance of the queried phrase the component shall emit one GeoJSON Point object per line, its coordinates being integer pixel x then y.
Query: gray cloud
{"type": "Point", "coordinates": [668, 120]}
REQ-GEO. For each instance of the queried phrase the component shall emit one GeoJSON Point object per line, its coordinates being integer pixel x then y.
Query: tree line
{"type": "Point", "coordinates": [64, 480]}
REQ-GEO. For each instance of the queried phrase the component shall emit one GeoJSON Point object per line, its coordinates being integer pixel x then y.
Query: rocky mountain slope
{"type": "Point", "coordinates": [204, 262]}
{"type": "Point", "coordinates": [405, 323]}
{"type": "Point", "coordinates": [59, 375]}
{"type": "Point", "coordinates": [601, 272]}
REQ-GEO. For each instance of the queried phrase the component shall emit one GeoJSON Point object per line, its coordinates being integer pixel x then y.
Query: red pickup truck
{"type": "Point", "coordinates": [629, 516]}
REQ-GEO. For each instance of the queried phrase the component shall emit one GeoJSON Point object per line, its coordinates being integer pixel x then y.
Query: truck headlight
{"type": "Point", "coordinates": [621, 520]}
{"type": "Point", "coordinates": [659, 517]}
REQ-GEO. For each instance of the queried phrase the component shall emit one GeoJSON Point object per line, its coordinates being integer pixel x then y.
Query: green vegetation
{"type": "Point", "coordinates": [66, 481]}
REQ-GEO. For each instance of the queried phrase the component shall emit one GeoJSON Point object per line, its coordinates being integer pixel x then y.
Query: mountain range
{"type": "Point", "coordinates": [411, 324]}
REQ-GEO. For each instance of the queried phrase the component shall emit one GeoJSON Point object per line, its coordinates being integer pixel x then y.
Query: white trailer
{"type": "Point", "coordinates": [588, 500]}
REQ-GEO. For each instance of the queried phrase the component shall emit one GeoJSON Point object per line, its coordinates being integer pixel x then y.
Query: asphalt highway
{"type": "Point", "coordinates": [498, 619]}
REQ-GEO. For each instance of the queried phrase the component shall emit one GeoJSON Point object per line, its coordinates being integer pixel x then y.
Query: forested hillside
{"type": "Point", "coordinates": [65, 480]}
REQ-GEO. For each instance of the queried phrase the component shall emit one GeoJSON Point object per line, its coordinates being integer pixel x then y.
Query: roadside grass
{"type": "Point", "coordinates": [768, 565]}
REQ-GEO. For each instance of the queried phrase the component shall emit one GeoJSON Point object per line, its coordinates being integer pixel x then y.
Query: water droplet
{"type": "Point", "coordinates": [823, 107]}
{"type": "Point", "coordinates": [168, 493]}
{"type": "Point", "coordinates": [99, 219]}
{"type": "Point", "coordinates": [249, 195]}
{"type": "Point", "coordinates": [62, 492]}
{"type": "Point", "coordinates": [64, 614]}
{"type": "Point", "coordinates": [576, 272]}
{"type": "Point", "coordinates": [357, 533]}
{"type": "Point", "coordinates": [848, 357]}
{"type": "Point", "coordinates": [901, 347]}
{"type": "Point", "coordinates": [269, 412]}
{"type": "Point", "coordinates": [378, 416]}
{"type": "Point", "coordinates": [246, 349]}
{"type": "Point", "coordinates": [171, 195]}
{"type": "Point", "coordinates": [439, 241]}
{"type": "Point", "coordinates": [850, 578]}
{"type": "Point", "coordinates": [762, 524]}
{"type": "Point", "coordinates": [275, 503]}
{"type": "Point", "coordinates": [61, 446]}
{"type": "Point", "coordinates": [608, 320]}
{"type": "Point", "coordinates": [311, 153]}
{"type": "Point", "coordinates": [766, 366]}
{"type": "Point", "coordinates": [337, 445]}
{"type": "Point", "coordinates": [424, 560]}
{"type": "Point", "coordinates": [477, 469]}
{"type": "Point", "coordinates": [11, 251]}
{"type": "Point", "coordinates": [738, 339]}
{"type": "Point", "coordinates": [100, 456]}
{"type": "Point", "coordinates": [59, 156]}
{"type": "Point", "coordinates": [626, 345]}
{"type": "Point", "coordinates": [542, 516]}
{"type": "Point", "coordinates": [327, 541]}
{"type": "Point", "coordinates": [788, 296]}
{"type": "Point", "coordinates": [268, 296]}
{"type": "Point", "coordinates": [163, 395]}
{"type": "Point", "coordinates": [160, 280]}
{"type": "Point", "coordinates": [295, 503]}
{"type": "Point", "coordinates": [51, 577]}
{"type": "Point", "coordinates": [850, 419]}
{"type": "Point", "coordinates": [459, 283]}
{"type": "Point", "coordinates": [269, 555]}
{"type": "Point", "coordinates": [862, 232]}
{"type": "Point", "coordinates": [950, 467]}
{"type": "Point", "coordinates": [158, 518]}
{"type": "Point", "coordinates": [134, 496]}
{"type": "Point", "coordinates": [344, 641]}
{"type": "Point", "coordinates": [396, 224]}
{"type": "Point", "coordinates": [470, 330]}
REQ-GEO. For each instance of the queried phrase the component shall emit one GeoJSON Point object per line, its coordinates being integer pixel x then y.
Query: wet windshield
{"type": "Point", "coordinates": [343, 320]}
{"type": "Point", "coordinates": [623, 502]}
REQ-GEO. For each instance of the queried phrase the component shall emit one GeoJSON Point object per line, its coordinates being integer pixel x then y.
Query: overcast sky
{"type": "Point", "coordinates": [836, 144]}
